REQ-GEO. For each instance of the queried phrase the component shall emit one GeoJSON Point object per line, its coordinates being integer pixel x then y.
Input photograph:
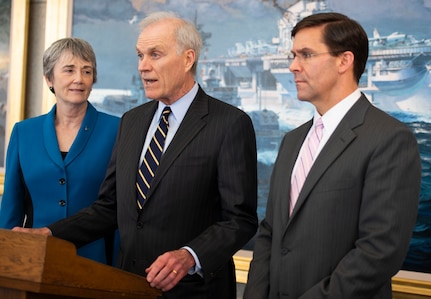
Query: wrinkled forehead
{"type": "Point", "coordinates": [156, 34]}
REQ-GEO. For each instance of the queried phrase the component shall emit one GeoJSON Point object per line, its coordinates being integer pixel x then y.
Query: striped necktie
{"type": "Point", "coordinates": [305, 161]}
{"type": "Point", "coordinates": [152, 157]}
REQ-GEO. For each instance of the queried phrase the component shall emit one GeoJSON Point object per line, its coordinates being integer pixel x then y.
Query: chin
{"type": "Point", "coordinates": [301, 98]}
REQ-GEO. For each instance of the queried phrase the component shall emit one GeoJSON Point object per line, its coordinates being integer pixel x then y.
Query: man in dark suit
{"type": "Point", "coordinates": [201, 204]}
{"type": "Point", "coordinates": [347, 232]}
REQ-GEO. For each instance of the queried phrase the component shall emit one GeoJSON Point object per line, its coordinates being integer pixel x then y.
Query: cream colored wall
{"type": "Point", "coordinates": [36, 46]}
{"type": "Point", "coordinates": [38, 99]}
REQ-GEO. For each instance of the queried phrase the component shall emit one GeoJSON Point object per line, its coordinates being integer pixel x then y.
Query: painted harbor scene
{"type": "Point", "coordinates": [244, 63]}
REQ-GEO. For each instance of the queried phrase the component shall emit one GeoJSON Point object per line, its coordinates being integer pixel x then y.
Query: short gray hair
{"type": "Point", "coordinates": [78, 47]}
{"type": "Point", "coordinates": [186, 33]}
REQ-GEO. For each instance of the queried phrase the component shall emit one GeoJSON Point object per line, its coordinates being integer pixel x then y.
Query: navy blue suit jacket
{"type": "Point", "coordinates": [203, 195]}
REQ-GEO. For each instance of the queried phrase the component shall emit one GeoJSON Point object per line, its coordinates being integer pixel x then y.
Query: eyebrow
{"type": "Point", "coordinates": [302, 50]}
{"type": "Point", "coordinates": [149, 50]}
{"type": "Point", "coordinates": [74, 66]}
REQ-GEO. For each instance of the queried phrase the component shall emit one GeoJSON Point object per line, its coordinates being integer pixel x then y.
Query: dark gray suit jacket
{"type": "Point", "coordinates": [350, 229]}
{"type": "Point", "coordinates": [204, 195]}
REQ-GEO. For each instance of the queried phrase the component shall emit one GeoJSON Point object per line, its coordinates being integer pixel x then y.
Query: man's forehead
{"type": "Point", "coordinates": [308, 38]}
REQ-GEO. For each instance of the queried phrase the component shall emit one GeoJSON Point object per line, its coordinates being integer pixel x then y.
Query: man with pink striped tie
{"type": "Point", "coordinates": [345, 187]}
{"type": "Point", "coordinates": [305, 161]}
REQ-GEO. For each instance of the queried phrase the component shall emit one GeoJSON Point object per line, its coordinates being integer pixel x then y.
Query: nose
{"type": "Point", "coordinates": [78, 77]}
{"type": "Point", "coordinates": [294, 65]}
{"type": "Point", "coordinates": [143, 64]}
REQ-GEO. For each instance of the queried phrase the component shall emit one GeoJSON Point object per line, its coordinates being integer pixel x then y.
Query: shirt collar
{"type": "Point", "coordinates": [333, 116]}
{"type": "Point", "coordinates": [179, 108]}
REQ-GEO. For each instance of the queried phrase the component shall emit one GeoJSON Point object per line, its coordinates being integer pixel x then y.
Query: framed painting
{"type": "Point", "coordinates": [244, 63]}
{"type": "Point", "coordinates": [13, 45]}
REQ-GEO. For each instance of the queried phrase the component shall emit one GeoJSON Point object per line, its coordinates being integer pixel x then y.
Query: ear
{"type": "Point", "coordinates": [190, 57]}
{"type": "Point", "coordinates": [347, 59]}
{"type": "Point", "coordinates": [48, 82]}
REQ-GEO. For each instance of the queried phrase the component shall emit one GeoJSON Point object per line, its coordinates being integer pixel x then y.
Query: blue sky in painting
{"type": "Point", "coordinates": [108, 25]}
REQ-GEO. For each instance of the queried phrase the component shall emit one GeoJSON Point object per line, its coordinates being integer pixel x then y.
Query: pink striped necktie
{"type": "Point", "coordinates": [304, 163]}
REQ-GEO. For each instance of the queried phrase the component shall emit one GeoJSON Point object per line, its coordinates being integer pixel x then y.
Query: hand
{"type": "Point", "coordinates": [39, 231]}
{"type": "Point", "coordinates": [169, 268]}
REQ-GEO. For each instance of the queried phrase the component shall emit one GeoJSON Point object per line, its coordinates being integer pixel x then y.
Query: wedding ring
{"type": "Point", "coordinates": [175, 272]}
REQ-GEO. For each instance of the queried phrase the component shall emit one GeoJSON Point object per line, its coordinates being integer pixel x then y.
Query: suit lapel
{"type": "Point", "coordinates": [337, 143]}
{"type": "Point", "coordinates": [287, 162]}
{"type": "Point", "coordinates": [191, 125]}
{"type": "Point", "coordinates": [132, 133]}
{"type": "Point", "coordinates": [136, 131]}
{"type": "Point", "coordinates": [87, 127]}
{"type": "Point", "coordinates": [50, 138]}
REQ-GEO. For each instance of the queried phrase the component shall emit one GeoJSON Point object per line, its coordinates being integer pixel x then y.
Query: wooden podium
{"type": "Point", "coordinates": [41, 267]}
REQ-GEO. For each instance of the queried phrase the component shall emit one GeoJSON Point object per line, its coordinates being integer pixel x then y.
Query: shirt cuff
{"type": "Point", "coordinates": [197, 269]}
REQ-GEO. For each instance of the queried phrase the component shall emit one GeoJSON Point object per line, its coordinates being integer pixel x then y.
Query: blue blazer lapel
{"type": "Point", "coordinates": [337, 143]}
{"type": "Point", "coordinates": [87, 128]}
{"type": "Point", "coordinates": [50, 138]}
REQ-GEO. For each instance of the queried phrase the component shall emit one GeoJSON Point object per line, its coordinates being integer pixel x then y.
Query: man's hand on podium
{"type": "Point", "coordinates": [39, 231]}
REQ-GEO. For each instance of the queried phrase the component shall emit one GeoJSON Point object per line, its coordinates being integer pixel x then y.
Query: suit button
{"type": "Point", "coordinates": [62, 181]}
{"type": "Point", "coordinates": [284, 251]}
{"type": "Point", "coordinates": [140, 225]}
{"type": "Point", "coordinates": [62, 203]}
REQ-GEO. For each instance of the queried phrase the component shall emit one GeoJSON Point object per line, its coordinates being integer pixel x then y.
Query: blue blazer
{"type": "Point", "coordinates": [41, 188]}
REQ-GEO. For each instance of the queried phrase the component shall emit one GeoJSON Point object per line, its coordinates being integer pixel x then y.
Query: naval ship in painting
{"type": "Point", "coordinates": [254, 75]}
{"type": "Point", "coordinates": [398, 63]}
{"type": "Point", "coordinates": [397, 79]}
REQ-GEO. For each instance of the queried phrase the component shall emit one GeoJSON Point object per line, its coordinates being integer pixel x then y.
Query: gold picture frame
{"type": "Point", "coordinates": [406, 284]}
{"type": "Point", "coordinates": [17, 70]}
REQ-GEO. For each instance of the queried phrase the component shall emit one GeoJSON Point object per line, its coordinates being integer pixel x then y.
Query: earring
{"type": "Point", "coordinates": [52, 89]}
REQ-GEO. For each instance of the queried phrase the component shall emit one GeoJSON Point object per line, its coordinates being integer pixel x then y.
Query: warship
{"type": "Point", "coordinates": [397, 79]}
{"type": "Point", "coordinates": [397, 63]}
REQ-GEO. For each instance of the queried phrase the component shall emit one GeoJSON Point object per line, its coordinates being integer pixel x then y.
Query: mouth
{"type": "Point", "coordinates": [77, 90]}
{"type": "Point", "coordinates": [148, 81]}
